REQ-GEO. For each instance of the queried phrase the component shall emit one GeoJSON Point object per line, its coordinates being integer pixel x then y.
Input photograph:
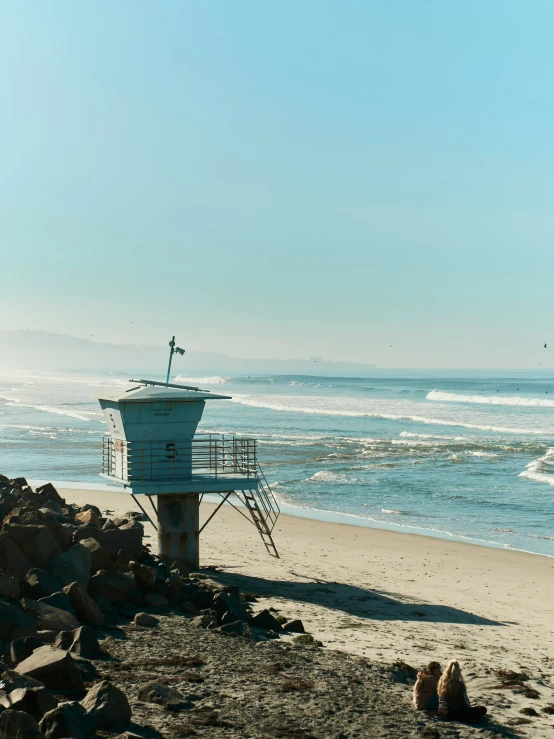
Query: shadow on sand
{"type": "Point", "coordinates": [356, 601]}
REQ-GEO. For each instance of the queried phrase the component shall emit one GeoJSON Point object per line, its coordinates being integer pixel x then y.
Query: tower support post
{"type": "Point", "coordinates": [179, 524]}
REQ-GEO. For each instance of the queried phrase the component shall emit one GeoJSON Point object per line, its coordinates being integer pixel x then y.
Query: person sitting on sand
{"type": "Point", "coordinates": [454, 704]}
{"type": "Point", "coordinates": [425, 696]}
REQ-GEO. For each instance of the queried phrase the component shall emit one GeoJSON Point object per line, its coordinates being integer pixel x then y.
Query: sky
{"type": "Point", "coordinates": [366, 180]}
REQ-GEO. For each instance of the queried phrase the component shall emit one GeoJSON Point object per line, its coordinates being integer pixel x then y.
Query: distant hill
{"type": "Point", "coordinates": [44, 350]}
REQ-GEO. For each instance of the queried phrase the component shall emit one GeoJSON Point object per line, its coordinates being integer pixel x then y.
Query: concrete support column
{"type": "Point", "coordinates": [179, 521]}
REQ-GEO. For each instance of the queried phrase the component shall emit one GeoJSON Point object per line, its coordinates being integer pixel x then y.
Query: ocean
{"type": "Point", "coordinates": [467, 455]}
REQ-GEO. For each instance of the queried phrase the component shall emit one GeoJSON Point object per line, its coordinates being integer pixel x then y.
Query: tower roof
{"type": "Point", "coordinates": [151, 394]}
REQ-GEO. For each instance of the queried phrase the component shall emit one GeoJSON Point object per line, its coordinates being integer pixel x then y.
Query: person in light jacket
{"type": "Point", "coordinates": [425, 696]}
{"type": "Point", "coordinates": [454, 704]}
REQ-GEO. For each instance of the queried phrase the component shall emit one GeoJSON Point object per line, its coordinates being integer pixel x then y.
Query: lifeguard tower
{"type": "Point", "coordinates": [153, 451]}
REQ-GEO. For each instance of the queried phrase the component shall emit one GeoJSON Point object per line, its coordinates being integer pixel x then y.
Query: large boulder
{"type": "Point", "coordinates": [53, 667]}
{"type": "Point", "coordinates": [113, 586]}
{"type": "Point", "coordinates": [231, 604]}
{"type": "Point", "coordinates": [85, 608]}
{"type": "Point", "coordinates": [48, 617]}
{"type": "Point", "coordinates": [146, 576]}
{"type": "Point", "coordinates": [23, 647]}
{"type": "Point", "coordinates": [60, 533]}
{"type": "Point", "coordinates": [265, 620]}
{"type": "Point", "coordinates": [9, 586]}
{"type": "Point", "coordinates": [99, 559]}
{"type": "Point", "coordinates": [163, 695]}
{"type": "Point", "coordinates": [107, 706]}
{"type": "Point", "coordinates": [73, 566]}
{"type": "Point", "coordinates": [39, 583]}
{"type": "Point", "coordinates": [89, 516]}
{"type": "Point", "coordinates": [12, 558]}
{"type": "Point", "coordinates": [20, 725]}
{"type": "Point", "coordinates": [48, 492]}
{"type": "Point", "coordinates": [58, 600]}
{"type": "Point", "coordinates": [66, 720]}
{"type": "Point", "coordinates": [14, 622]}
{"type": "Point", "coordinates": [113, 540]}
{"type": "Point", "coordinates": [36, 701]}
{"type": "Point", "coordinates": [81, 641]}
{"type": "Point", "coordinates": [36, 542]}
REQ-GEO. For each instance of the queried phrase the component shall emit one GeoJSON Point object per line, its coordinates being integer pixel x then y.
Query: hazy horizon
{"type": "Point", "coordinates": [366, 182]}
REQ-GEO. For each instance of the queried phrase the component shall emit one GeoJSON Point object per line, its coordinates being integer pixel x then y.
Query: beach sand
{"type": "Point", "coordinates": [392, 596]}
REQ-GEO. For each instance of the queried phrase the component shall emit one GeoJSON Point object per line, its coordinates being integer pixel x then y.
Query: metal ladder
{"type": "Point", "coordinates": [264, 511]}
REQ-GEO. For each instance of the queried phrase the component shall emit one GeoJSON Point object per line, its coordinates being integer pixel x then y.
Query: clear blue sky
{"type": "Point", "coordinates": [282, 178]}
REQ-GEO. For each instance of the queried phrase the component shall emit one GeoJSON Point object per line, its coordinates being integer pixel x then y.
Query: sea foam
{"type": "Point", "coordinates": [440, 396]}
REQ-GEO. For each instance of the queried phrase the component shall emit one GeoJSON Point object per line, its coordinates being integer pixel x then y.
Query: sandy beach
{"type": "Point", "coordinates": [390, 596]}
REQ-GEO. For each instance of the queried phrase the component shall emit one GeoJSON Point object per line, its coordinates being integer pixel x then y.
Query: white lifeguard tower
{"type": "Point", "coordinates": [153, 450]}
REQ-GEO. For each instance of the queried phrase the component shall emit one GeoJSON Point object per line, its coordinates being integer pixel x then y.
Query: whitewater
{"type": "Point", "coordinates": [466, 455]}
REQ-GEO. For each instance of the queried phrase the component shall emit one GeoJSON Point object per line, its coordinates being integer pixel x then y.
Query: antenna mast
{"type": "Point", "coordinates": [172, 350]}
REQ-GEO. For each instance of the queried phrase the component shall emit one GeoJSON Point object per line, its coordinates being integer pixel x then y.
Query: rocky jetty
{"type": "Point", "coordinates": [101, 637]}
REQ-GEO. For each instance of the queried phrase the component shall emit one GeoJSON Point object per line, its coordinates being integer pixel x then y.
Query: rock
{"type": "Point", "coordinates": [58, 600]}
{"type": "Point", "coordinates": [114, 540]}
{"type": "Point", "coordinates": [181, 568]}
{"type": "Point", "coordinates": [146, 576]}
{"type": "Point", "coordinates": [135, 516]}
{"type": "Point", "coordinates": [85, 608]}
{"type": "Point", "coordinates": [60, 533]}
{"type": "Point", "coordinates": [52, 506]}
{"type": "Point", "coordinates": [48, 617]}
{"type": "Point", "coordinates": [164, 696]}
{"type": "Point", "coordinates": [89, 516]}
{"type": "Point", "coordinates": [111, 585]}
{"type": "Point", "coordinates": [66, 720]}
{"type": "Point", "coordinates": [189, 608]}
{"type": "Point", "coordinates": [48, 492]}
{"type": "Point", "coordinates": [146, 620]}
{"type": "Point", "coordinates": [228, 603]}
{"type": "Point", "coordinates": [123, 560]}
{"type": "Point", "coordinates": [14, 622]}
{"type": "Point", "coordinates": [13, 680]}
{"type": "Point", "coordinates": [295, 626]}
{"type": "Point", "coordinates": [88, 670]}
{"type": "Point", "coordinates": [193, 593]}
{"type": "Point", "coordinates": [12, 558]}
{"type": "Point", "coordinates": [206, 620]}
{"type": "Point", "coordinates": [9, 586]}
{"type": "Point", "coordinates": [36, 543]}
{"type": "Point", "coordinates": [47, 636]}
{"type": "Point", "coordinates": [23, 647]}
{"type": "Point", "coordinates": [19, 725]}
{"type": "Point", "coordinates": [240, 628]}
{"type": "Point", "coordinates": [81, 641]}
{"type": "Point", "coordinates": [36, 701]}
{"type": "Point", "coordinates": [265, 620]}
{"type": "Point", "coordinates": [119, 521]}
{"type": "Point", "coordinates": [53, 667]}
{"type": "Point", "coordinates": [99, 559]}
{"type": "Point", "coordinates": [73, 566]}
{"type": "Point", "coordinates": [108, 525]}
{"type": "Point", "coordinates": [107, 706]}
{"type": "Point", "coordinates": [40, 584]}
{"type": "Point", "coordinates": [175, 583]}
{"type": "Point", "coordinates": [155, 601]}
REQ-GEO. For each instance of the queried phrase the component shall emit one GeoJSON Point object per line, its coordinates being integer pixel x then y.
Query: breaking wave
{"type": "Point", "coordinates": [279, 405]}
{"type": "Point", "coordinates": [490, 399]}
{"type": "Point", "coordinates": [538, 469]}
{"type": "Point", "coordinates": [215, 380]}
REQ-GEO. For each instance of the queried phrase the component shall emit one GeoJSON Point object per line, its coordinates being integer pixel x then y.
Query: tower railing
{"type": "Point", "coordinates": [208, 455]}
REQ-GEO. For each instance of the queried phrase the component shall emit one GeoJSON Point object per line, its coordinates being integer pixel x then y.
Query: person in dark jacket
{"type": "Point", "coordinates": [425, 696]}
{"type": "Point", "coordinates": [454, 705]}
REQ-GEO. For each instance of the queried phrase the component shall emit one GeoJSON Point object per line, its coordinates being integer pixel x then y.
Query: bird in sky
{"type": "Point", "coordinates": [545, 346]}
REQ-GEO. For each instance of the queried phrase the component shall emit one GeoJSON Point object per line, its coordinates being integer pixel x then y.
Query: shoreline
{"type": "Point", "coordinates": [314, 514]}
